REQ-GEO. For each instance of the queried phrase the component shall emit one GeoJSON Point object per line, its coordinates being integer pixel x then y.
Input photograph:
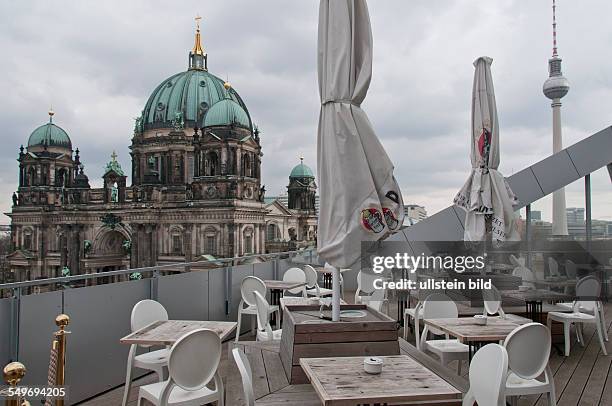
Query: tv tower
{"type": "Point", "coordinates": [555, 87]}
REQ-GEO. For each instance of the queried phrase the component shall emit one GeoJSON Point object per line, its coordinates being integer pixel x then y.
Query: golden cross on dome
{"type": "Point", "coordinates": [114, 156]}
{"type": "Point", "coordinates": [301, 159]}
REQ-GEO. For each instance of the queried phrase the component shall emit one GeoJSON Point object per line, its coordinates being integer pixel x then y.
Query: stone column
{"type": "Point", "coordinates": [134, 263]}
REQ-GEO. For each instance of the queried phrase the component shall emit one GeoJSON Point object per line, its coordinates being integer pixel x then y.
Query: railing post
{"type": "Point", "coordinates": [60, 336]}
{"type": "Point", "coordinates": [228, 288]}
{"type": "Point", "coordinates": [154, 285]}
{"type": "Point", "coordinates": [528, 234]}
{"type": "Point", "coordinates": [15, 314]}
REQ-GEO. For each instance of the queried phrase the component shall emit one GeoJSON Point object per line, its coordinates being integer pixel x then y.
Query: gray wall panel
{"type": "Point", "coordinates": [185, 296]}
{"type": "Point", "coordinates": [100, 316]}
{"type": "Point", "coordinates": [264, 270]}
{"type": "Point", "coordinates": [5, 331]}
{"type": "Point", "coordinates": [442, 226]}
{"type": "Point", "coordinates": [592, 153]}
{"type": "Point", "coordinates": [555, 172]}
{"type": "Point", "coordinates": [216, 294]}
{"type": "Point", "coordinates": [525, 186]}
{"type": "Point", "coordinates": [36, 327]}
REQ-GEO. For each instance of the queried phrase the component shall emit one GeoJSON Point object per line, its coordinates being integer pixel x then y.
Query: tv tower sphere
{"type": "Point", "coordinates": [556, 86]}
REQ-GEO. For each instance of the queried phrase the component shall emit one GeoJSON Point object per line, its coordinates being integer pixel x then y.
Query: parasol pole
{"type": "Point", "coordinates": [335, 294]}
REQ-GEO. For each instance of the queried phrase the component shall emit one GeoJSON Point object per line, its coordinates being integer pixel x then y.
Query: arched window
{"type": "Point", "coordinates": [246, 165]}
{"type": "Point", "coordinates": [28, 240]}
{"type": "Point", "coordinates": [248, 241]}
{"type": "Point", "coordinates": [272, 232]}
{"type": "Point", "coordinates": [212, 164]}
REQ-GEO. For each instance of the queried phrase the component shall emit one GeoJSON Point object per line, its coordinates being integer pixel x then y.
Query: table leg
{"type": "Point", "coordinates": [402, 305]}
{"type": "Point", "coordinates": [275, 295]}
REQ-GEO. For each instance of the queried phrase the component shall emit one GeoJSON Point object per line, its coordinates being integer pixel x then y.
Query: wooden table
{"type": "Point", "coordinates": [301, 301]}
{"type": "Point", "coordinates": [534, 298]}
{"type": "Point", "coordinates": [169, 331]}
{"type": "Point", "coordinates": [276, 291]}
{"type": "Point", "coordinates": [474, 335]}
{"type": "Point", "coordinates": [342, 381]}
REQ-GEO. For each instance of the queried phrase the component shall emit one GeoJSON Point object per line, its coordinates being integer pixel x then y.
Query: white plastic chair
{"type": "Point", "coordinates": [553, 267]}
{"type": "Point", "coordinates": [528, 349]}
{"type": "Point", "coordinates": [377, 301]}
{"type": "Point", "coordinates": [440, 306]}
{"type": "Point", "coordinates": [249, 285]}
{"type": "Point", "coordinates": [193, 363]}
{"type": "Point", "coordinates": [312, 284]}
{"type": "Point", "coordinates": [416, 314]}
{"type": "Point", "coordinates": [525, 274]}
{"type": "Point", "coordinates": [570, 269]}
{"type": "Point", "coordinates": [492, 302]}
{"type": "Point", "coordinates": [264, 330]}
{"type": "Point", "coordinates": [365, 284]}
{"type": "Point", "coordinates": [144, 313]}
{"type": "Point", "coordinates": [586, 291]}
{"type": "Point", "coordinates": [295, 275]}
{"type": "Point", "coordinates": [488, 371]}
{"type": "Point", "coordinates": [583, 312]}
{"type": "Point", "coordinates": [246, 373]}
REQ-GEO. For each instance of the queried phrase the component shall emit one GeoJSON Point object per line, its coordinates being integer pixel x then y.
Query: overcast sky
{"type": "Point", "coordinates": [97, 63]}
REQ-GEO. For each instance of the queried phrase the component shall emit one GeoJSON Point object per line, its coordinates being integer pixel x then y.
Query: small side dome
{"type": "Point", "coordinates": [226, 112]}
{"type": "Point", "coordinates": [50, 135]}
{"type": "Point", "coordinates": [301, 171]}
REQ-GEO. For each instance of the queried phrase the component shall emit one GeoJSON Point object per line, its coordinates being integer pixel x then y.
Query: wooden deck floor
{"type": "Point", "coordinates": [583, 378]}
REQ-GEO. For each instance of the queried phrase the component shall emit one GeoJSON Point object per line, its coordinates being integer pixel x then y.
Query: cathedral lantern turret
{"type": "Point", "coordinates": [114, 181]}
{"type": "Point", "coordinates": [302, 188]}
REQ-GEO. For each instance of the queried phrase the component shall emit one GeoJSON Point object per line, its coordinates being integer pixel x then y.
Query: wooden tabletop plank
{"type": "Point", "coordinates": [465, 329]}
{"type": "Point", "coordinates": [167, 332]}
{"type": "Point", "coordinates": [283, 285]}
{"type": "Point", "coordinates": [301, 301]}
{"type": "Point", "coordinates": [536, 295]}
{"type": "Point", "coordinates": [342, 381]}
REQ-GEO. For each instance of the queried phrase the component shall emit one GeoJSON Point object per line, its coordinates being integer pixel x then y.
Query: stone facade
{"type": "Point", "coordinates": [196, 189]}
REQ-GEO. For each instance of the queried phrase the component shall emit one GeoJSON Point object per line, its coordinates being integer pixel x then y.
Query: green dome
{"type": "Point", "coordinates": [50, 135]}
{"type": "Point", "coordinates": [193, 94]}
{"type": "Point", "coordinates": [301, 171]}
{"type": "Point", "coordinates": [226, 112]}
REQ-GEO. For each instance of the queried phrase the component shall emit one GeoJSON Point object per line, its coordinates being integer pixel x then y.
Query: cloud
{"type": "Point", "coordinates": [97, 63]}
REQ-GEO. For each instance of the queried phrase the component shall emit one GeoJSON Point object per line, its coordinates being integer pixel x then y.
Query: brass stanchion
{"type": "Point", "coordinates": [13, 374]}
{"type": "Point", "coordinates": [60, 344]}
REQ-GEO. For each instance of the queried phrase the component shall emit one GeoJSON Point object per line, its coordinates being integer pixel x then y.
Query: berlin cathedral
{"type": "Point", "coordinates": [195, 191]}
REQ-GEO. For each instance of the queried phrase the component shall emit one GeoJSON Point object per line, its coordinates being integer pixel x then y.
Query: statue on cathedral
{"type": "Point", "coordinates": [178, 123]}
{"type": "Point", "coordinates": [114, 193]}
{"type": "Point", "coordinates": [15, 199]}
{"type": "Point", "coordinates": [262, 193]}
{"type": "Point", "coordinates": [138, 125]}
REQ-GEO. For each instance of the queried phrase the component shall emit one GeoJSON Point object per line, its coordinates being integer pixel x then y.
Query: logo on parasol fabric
{"type": "Point", "coordinates": [372, 220]}
{"type": "Point", "coordinates": [393, 196]}
{"type": "Point", "coordinates": [484, 143]}
{"type": "Point", "coordinates": [390, 218]}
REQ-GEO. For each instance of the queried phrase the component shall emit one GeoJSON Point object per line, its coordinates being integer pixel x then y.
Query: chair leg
{"type": "Point", "coordinates": [405, 327]}
{"type": "Point", "coordinates": [602, 320]}
{"type": "Point", "coordinates": [128, 375]}
{"type": "Point", "coordinates": [417, 333]}
{"type": "Point", "coordinates": [600, 336]}
{"type": "Point", "coordinates": [579, 334]}
{"type": "Point", "coordinates": [220, 389]}
{"type": "Point", "coordinates": [566, 333]}
{"type": "Point", "coordinates": [161, 376]}
{"type": "Point", "coordinates": [239, 321]}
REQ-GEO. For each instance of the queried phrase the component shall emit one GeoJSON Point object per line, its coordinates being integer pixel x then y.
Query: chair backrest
{"type": "Point", "coordinates": [553, 267]}
{"type": "Point", "coordinates": [311, 276]}
{"type": "Point", "coordinates": [376, 299]}
{"type": "Point", "coordinates": [249, 285]}
{"type": "Point", "coordinates": [514, 260]}
{"type": "Point", "coordinates": [263, 313]}
{"type": "Point", "coordinates": [492, 301]}
{"type": "Point", "coordinates": [438, 306]}
{"type": "Point", "coordinates": [365, 282]}
{"type": "Point", "coordinates": [525, 274]}
{"type": "Point", "coordinates": [146, 312]}
{"type": "Point", "coordinates": [488, 370]}
{"type": "Point", "coordinates": [194, 359]}
{"type": "Point", "coordinates": [295, 275]}
{"type": "Point", "coordinates": [588, 290]}
{"type": "Point", "coordinates": [246, 373]}
{"type": "Point", "coordinates": [528, 349]}
{"type": "Point", "coordinates": [570, 269]}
